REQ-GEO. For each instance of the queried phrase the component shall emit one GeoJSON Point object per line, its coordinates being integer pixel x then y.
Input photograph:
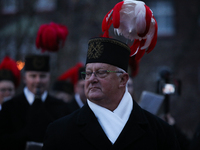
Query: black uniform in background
{"type": "Point", "coordinates": [21, 122]}
{"type": "Point", "coordinates": [195, 143]}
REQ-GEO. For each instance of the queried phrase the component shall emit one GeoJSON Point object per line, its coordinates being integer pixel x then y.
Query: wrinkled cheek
{"type": "Point", "coordinates": [86, 92]}
{"type": "Point", "coordinates": [86, 89]}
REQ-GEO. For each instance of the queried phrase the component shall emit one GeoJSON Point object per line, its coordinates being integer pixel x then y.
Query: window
{"type": "Point", "coordinates": [164, 14]}
{"type": "Point", "coordinates": [9, 6]}
{"type": "Point", "coordinates": [45, 5]}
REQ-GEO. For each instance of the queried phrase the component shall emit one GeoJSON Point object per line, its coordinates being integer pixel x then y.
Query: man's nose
{"type": "Point", "coordinates": [37, 79]}
{"type": "Point", "coordinates": [93, 77]}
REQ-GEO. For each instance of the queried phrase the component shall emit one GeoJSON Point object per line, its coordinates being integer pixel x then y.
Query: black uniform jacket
{"type": "Point", "coordinates": [19, 122]}
{"type": "Point", "coordinates": [81, 130]}
{"type": "Point", "coordinates": [73, 105]}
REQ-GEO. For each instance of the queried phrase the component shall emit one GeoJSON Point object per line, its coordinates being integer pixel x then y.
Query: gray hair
{"type": "Point", "coordinates": [120, 69]}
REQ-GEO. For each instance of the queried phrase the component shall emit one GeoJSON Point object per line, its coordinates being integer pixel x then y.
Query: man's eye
{"type": "Point", "coordinates": [42, 76]}
{"type": "Point", "coordinates": [2, 90]}
{"type": "Point", "coordinates": [101, 72]}
{"type": "Point", "coordinates": [32, 76]}
{"type": "Point", "coordinates": [88, 73]}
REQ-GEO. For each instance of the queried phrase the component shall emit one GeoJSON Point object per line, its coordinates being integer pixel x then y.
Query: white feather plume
{"type": "Point", "coordinates": [149, 35]}
{"type": "Point", "coordinates": [132, 19]}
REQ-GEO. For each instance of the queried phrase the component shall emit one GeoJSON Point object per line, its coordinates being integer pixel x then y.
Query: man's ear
{"type": "Point", "coordinates": [124, 79]}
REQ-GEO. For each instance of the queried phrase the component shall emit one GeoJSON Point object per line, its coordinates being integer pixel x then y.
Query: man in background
{"type": "Point", "coordinates": [79, 98]}
{"type": "Point", "coordinates": [25, 117]}
{"type": "Point", "coordinates": [63, 90]}
{"type": "Point", "coordinates": [9, 79]}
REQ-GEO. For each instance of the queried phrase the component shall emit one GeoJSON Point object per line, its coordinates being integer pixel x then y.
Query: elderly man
{"type": "Point", "coordinates": [110, 119]}
{"type": "Point", "coordinates": [25, 117]}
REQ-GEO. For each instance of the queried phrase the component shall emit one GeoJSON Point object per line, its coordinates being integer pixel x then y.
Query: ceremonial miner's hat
{"type": "Point", "coordinates": [37, 63]}
{"type": "Point", "coordinates": [109, 51]}
{"type": "Point", "coordinates": [7, 75]}
{"type": "Point", "coordinates": [9, 71]}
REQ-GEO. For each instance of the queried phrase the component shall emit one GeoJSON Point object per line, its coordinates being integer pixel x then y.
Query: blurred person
{"type": "Point", "coordinates": [7, 90]}
{"type": "Point", "coordinates": [195, 142]}
{"type": "Point", "coordinates": [9, 79]}
{"type": "Point", "coordinates": [63, 90]}
{"type": "Point", "coordinates": [26, 116]}
{"type": "Point", "coordinates": [166, 89]}
{"type": "Point", "coordinates": [110, 119]}
{"type": "Point", "coordinates": [79, 98]}
{"type": "Point", "coordinates": [183, 140]}
{"type": "Point", "coordinates": [73, 75]}
{"type": "Point", "coordinates": [130, 86]}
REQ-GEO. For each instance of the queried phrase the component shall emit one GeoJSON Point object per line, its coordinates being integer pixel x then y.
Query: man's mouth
{"type": "Point", "coordinates": [94, 88]}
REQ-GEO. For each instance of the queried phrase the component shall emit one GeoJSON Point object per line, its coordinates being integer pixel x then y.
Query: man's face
{"type": "Point", "coordinates": [7, 90]}
{"type": "Point", "coordinates": [102, 90]}
{"type": "Point", "coordinates": [36, 79]}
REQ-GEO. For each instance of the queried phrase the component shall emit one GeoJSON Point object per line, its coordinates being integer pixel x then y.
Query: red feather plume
{"type": "Point", "coordinates": [71, 74]}
{"type": "Point", "coordinates": [134, 66]}
{"type": "Point", "coordinates": [9, 64]}
{"type": "Point", "coordinates": [135, 21]}
{"type": "Point", "coordinates": [51, 37]}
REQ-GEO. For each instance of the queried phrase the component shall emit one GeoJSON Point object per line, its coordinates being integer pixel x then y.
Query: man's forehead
{"type": "Point", "coordinates": [6, 82]}
{"type": "Point", "coordinates": [36, 72]}
{"type": "Point", "coordinates": [99, 65]}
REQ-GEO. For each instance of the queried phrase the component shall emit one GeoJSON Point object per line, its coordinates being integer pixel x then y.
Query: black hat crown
{"type": "Point", "coordinates": [7, 75]}
{"type": "Point", "coordinates": [37, 63]}
{"type": "Point", "coordinates": [110, 51]}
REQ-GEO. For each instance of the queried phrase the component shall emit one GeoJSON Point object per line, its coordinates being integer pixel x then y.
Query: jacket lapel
{"type": "Point", "coordinates": [133, 130]}
{"type": "Point", "coordinates": [91, 129]}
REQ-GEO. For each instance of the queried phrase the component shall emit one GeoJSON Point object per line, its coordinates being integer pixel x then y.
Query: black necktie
{"type": "Point", "coordinates": [37, 100]}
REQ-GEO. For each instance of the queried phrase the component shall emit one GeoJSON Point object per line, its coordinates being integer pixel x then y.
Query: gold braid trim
{"type": "Point", "coordinates": [107, 40]}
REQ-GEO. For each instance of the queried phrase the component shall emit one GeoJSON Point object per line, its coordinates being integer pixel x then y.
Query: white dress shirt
{"type": "Point", "coordinates": [78, 100]}
{"type": "Point", "coordinates": [30, 96]}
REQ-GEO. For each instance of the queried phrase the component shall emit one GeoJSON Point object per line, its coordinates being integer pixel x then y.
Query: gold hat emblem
{"type": "Point", "coordinates": [38, 63]}
{"type": "Point", "coordinates": [95, 50]}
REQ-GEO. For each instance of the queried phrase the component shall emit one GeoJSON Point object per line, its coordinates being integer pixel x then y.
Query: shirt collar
{"type": "Point", "coordinates": [78, 100]}
{"type": "Point", "coordinates": [125, 106]}
{"type": "Point", "coordinates": [30, 96]}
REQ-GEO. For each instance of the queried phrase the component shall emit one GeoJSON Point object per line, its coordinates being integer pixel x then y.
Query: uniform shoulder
{"type": "Point", "coordinates": [64, 123]}
{"type": "Point", "coordinates": [14, 99]}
